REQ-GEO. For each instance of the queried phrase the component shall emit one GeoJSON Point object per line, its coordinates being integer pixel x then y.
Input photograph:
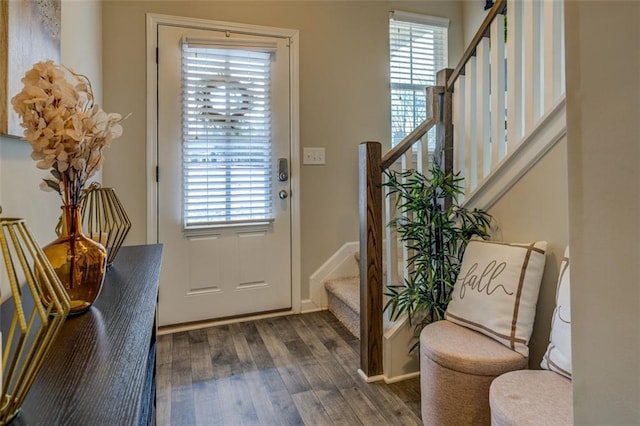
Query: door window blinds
{"type": "Point", "coordinates": [418, 50]}
{"type": "Point", "coordinates": [226, 135]}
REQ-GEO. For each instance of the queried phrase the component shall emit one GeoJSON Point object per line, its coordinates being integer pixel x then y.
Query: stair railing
{"type": "Point", "coordinates": [510, 79]}
{"type": "Point", "coordinates": [411, 153]}
{"type": "Point", "coordinates": [512, 73]}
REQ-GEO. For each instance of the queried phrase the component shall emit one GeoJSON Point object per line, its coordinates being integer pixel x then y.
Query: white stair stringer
{"type": "Point", "coordinates": [397, 362]}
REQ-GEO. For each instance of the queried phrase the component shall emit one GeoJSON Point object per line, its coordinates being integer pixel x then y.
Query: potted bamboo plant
{"type": "Point", "coordinates": [436, 230]}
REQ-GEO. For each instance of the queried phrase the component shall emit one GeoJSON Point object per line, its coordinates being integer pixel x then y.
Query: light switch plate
{"type": "Point", "coordinates": [313, 156]}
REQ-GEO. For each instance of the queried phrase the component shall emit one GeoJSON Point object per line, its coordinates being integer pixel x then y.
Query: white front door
{"type": "Point", "coordinates": [224, 147]}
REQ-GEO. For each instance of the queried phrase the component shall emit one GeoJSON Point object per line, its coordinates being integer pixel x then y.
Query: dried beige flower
{"type": "Point", "coordinates": [66, 130]}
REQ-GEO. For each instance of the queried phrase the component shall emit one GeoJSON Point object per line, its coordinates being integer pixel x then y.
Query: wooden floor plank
{"type": "Point", "coordinates": [280, 397]}
{"type": "Point", "coordinates": [276, 390]}
{"type": "Point", "coordinates": [310, 409]}
{"type": "Point", "coordinates": [182, 401]}
{"type": "Point", "coordinates": [205, 390]}
{"type": "Point", "coordinates": [322, 355]}
{"type": "Point", "coordinates": [259, 352]}
{"type": "Point", "coordinates": [201, 365]}
{"type": "Point", "coordinates": [284, 332]}
{"type": "Point", "coordinates": [344, 371]}
{"type": "Point", "coordinates": [233, 392]}
{"type": "Point", "coordinates": [389, 404]}
{"type": "Point", "coordinates": [264, 409]}
{"type": "Point", "coordinates": [207, 400]}
{"type": "Point", "coordinates": [319, 370]}
{"type": "Point", "coordinates": [367, 412]}
{"type": "Point", "coordinates": [342, 331]}
{"type": "Point", "coordinates": [337, 407]}
{"type": "Point", "coordinates": [163, 349]}
{"type": "Point", "coordinates": [163, 380]}
{"type": "Point", "coordinates": [291, 370]}
{"type": "Point", "coordinates": [409, 391]}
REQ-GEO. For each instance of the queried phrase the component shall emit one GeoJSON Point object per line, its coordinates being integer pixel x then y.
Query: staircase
{"type": "Point", "coordinates": [339, 282]}
{"type": "Point", "coordinates": [343, 296]}
{"type": "Point", "coordinates": [343, 293]}
{"type": "Point", "coordinates": [514, 78]}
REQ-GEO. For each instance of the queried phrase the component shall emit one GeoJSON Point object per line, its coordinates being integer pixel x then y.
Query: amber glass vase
{"type": "Point", "coordinates": [79, 262]}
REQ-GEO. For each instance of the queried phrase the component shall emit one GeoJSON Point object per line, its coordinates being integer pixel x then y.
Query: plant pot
{"type": "Point", "coordinates": [79, 262]}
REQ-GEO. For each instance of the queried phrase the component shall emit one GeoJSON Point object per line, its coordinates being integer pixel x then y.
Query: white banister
{"type": "Point", "coordinates": [515, 92]}
{"type": "Point", "coordinates": [459, 130]}
{"type": "Point", "coordinates": [391, 238]}
{"type": "Point", "coordinates": [483, 112]}
{"type": "Point", "coordinates": [422, 157]}
{"type": "Point", "coordinates": [403, 254]}
{"type": "Point", "coordinates": [553, 53]}
{"type": "Point", "coordinates": [471, 126]}
{"type": "Point", "coordinates": [509, 80]}
{"type": "Point", "coordinates": [498, 89]}
{"type": "Point", "coordinates": [533, 91]}
{"type": "Point", "coordinates": [406, 161]}
{"type": "Point", "coordinates": [562, 54]}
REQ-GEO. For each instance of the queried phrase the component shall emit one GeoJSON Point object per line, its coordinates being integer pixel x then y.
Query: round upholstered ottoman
{"type": "Point", "coordinates": [531, 397]}
{"type": "Point", "coordinates": [457, 366]}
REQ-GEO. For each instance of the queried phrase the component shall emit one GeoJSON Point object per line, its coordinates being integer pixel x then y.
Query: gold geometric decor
{"type": "Point", "coordinates": [40, 306]}
{"type": "Point", "coordinates": [29, 32]}
{"type": "Point", "coordinates": [104, 219]}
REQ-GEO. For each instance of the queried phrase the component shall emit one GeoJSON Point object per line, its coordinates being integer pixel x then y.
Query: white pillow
{"type": "Point", "coordinates": [558, 355]}
{"type": "Point", "coordinates": [497, 290]}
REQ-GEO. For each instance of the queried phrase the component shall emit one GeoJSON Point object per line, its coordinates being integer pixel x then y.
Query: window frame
{"type": "Point", "coordinates": [228, 62]}
{"type": "Point", "coordinates": [422, 23]}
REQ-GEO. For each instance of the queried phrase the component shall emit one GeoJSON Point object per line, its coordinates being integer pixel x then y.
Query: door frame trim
{"type": "Point", "coordinates": [153, 20]}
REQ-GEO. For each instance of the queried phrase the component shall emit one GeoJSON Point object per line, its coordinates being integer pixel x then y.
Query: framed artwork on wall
{"type": "Point", "coordinates": [29, 32]}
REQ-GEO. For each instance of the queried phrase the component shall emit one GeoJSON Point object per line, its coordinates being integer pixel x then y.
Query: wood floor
{"type": "Point", "coordinates": [298, 369]}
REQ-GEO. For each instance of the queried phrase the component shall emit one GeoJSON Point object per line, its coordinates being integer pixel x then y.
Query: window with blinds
{"type": "Point", "coordinates": [226, 135]}
{"type": "Point", "coordinates": [418, 50]}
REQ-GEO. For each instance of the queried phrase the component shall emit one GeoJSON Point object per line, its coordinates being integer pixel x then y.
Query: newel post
{"type": "Point", "coordinates": [370, 208]}
{"type": "Point", "coordinates": [444, 128]}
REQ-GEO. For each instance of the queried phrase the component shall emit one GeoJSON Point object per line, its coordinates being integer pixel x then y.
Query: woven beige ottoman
{"type": "Point", "coordinates": [531, 397]}
{"type": "Point", "coordinates": [457, 366]}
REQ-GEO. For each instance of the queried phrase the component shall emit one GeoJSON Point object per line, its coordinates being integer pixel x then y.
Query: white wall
{"type": "Point", "coordinates": [603, 132]}
{"type": "Point", "coordinates": [473, 14]}
{"type": "Point", "coordinates": [81, 40]}
{"type": "Point", "coordinates": [536, 209]}
{"type": "Point", "coordinates": [20, 196]}
{"type": "Point", "coordinates": [344, 99]}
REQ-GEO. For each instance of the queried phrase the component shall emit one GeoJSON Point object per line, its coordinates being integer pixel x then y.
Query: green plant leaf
{"type": "Point", "coordinates": [435, 238]}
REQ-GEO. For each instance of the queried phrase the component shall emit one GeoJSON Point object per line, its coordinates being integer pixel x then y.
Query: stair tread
{"type": "Point", "coordinates": [346, 289]}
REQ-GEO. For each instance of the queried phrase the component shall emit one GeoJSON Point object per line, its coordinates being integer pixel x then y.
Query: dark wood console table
{"type": "Point", "coordinates": [102, 367]}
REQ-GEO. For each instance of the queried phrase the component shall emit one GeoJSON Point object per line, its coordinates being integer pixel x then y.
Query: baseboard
{"type": "Point", "coordinates": [169, 329]}
{"type": "Point", "coordinates": [307, 306]}
{"type": "Point", "coordinates": [368, 379]}
{"type": "Point", "coordinates": [401, 378]}
{"type": "Point", "coordinates": [387, 380]}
